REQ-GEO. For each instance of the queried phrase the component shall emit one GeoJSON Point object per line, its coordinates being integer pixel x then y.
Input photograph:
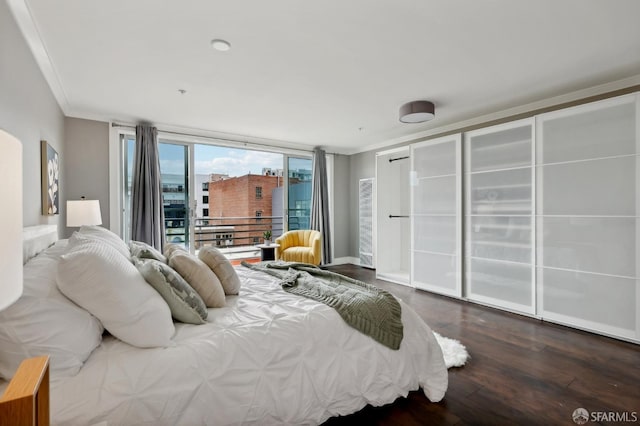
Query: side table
{"type": "Point", "coordinates": [268, 252]}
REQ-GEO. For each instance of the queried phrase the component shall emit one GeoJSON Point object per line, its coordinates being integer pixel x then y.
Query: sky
{"type": "Point", "coordinates": [224, 160]}
{"type": "Point", "coordinates": [214, 159]}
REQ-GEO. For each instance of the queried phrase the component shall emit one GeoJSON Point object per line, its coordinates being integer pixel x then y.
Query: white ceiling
{"type": "Point", "coordinates": [330, 73]}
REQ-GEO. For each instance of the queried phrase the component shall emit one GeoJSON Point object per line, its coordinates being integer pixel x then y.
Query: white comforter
{"type": "Point", "coordinates": [268, 357]}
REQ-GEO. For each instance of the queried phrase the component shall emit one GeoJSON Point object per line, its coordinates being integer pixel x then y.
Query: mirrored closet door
{"type": "Point", "coordinates": [588, 230]}
{"type": "Point", "coordinates": [499, 255]}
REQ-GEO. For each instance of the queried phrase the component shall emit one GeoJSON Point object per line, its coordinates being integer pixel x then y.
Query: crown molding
{"type": "Point", "coordinates": [24, 19]}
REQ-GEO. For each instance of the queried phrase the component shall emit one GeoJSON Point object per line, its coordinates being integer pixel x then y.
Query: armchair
{"type": "Point", "coordinates": [300, 246]}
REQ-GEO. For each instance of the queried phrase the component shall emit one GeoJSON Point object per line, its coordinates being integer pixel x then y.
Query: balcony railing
{"type": "Point", "coordinates": [234, 236]}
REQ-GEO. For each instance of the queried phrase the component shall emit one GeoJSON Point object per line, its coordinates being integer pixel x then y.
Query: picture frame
{"type": "Point", "coordinates": [50, 172]}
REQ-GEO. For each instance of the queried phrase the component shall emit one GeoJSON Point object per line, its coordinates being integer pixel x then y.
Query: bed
{"type": "Point", "coordinates": [266, 357]}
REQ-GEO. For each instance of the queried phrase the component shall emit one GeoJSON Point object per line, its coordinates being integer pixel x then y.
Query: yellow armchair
{"type": "Point", "coordinates": [299, 246]}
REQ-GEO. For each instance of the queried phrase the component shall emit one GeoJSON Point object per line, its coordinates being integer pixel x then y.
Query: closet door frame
{"type": "Point", "coordinates": [486, 300]}
{"type": "Point", "coordinates": [457, 140]}
{"type": "Point", "coordinates": [376, 235]}
{"type": "Point", "coordinates": [583, 324]}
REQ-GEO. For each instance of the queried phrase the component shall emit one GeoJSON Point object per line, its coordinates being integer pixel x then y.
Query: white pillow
{"type": "Point", "coordinates": [223, 269]}
{"type": "Point", "coordinates": [200, 277]}
{"type": "Point", "coordinates": [44, 322]}
{"type": "Point", "coordinates": [107, 284]}
{"type": "Point", "coordinates": [103, 235]}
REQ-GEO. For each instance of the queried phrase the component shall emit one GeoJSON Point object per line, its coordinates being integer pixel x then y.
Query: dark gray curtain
{"type": "Point", "coordinates": [147, 214]}
{"type": "Point", "coordinates": [320, 203]}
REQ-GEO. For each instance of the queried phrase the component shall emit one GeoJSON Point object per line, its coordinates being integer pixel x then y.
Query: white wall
{"type": "Point", "coordinates": [29, 111]}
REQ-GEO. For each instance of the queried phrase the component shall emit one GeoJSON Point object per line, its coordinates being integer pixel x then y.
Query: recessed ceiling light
{"type": "Point", "coordinates": [221, 45]}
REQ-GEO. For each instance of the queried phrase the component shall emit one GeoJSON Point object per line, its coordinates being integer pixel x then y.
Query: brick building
{"type": "Point", "coordinates": [244, 196]}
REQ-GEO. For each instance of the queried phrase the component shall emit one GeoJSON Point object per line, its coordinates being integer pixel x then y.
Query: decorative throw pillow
{"type": "Point", "coordinates": [143, 250]}
{"type": "Point", "coordinates": [185, 303]}
{"type": "Point", "coordinates": [98, 278]}
{"type": "Point", "coordinates": [200, 277]}
{"type": "Point", "coordinates": [223, 269]}
{"type": "Point", "coordinates": [171, 248]}
{"type": "Point", "coordinates": [103, 235]}
{"type": "Point", "coordinates": [44, 322]}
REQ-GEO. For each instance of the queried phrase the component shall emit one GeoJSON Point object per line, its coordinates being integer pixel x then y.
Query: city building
{"type": "Point", "coordinates": [246, 204]}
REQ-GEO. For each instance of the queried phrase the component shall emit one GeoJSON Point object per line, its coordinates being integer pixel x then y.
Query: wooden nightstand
{"type": "Point", "coordinates": [26, 400]}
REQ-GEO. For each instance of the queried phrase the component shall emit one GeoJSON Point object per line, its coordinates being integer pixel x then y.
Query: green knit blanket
{"type": "Point", "coordinates": [368, 309]}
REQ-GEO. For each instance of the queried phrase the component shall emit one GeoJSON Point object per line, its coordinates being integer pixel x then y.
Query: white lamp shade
{"type": "Point", "coordinates": [83, 212]}
{"type": "Point", "coordinates": [10, 219]}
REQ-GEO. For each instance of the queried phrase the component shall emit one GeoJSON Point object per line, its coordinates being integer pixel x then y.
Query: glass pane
{"type": "Point", "coordinates": [175, 191]}
{"type": "Point", "coordinates": [503, 192]}
{"type": "Point", "coordinates": [599, 187]}
{"type": "Point", "coordinates": [435, 160]}
{"type": "Point", "coordinates": [435, 270]}
{"type": "Point", "coordinates": [510, 282]}
{"type": "Point", "coordinates": [500, 238]}
{"type": "Point", "coordinates": [435, 234]}
{"type": "Point", "coordinates": [597, 298]}
{"type": "Point", "coordinates": [299, 188]}
{"type": "Point", "coordinates": [605, 245]}
{"type": "Point", "coordinates": [435, 195]}
{"type": "Point", "coordinates": [239, 196]}
{"type": "Point", "coordinates": [500, 150]}
{"type": "Point", "coordinates": [593, 134]}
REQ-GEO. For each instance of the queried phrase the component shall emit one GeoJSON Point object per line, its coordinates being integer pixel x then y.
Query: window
{"type": "Point", "coordinates": [276, 194]}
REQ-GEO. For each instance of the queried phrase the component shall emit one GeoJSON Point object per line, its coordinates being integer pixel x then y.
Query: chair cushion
{"type": "Point", "coordinates": [298, 254]}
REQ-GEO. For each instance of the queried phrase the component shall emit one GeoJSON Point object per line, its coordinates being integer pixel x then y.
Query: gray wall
{"type": "Point", "coordinates": [29, 111]}
{"type": "Point", "coordinates": [361, 166]}
{"type": "Point", "coordinates": [341, 207]}
{"type": "Point", "coordinates": [87, 163]}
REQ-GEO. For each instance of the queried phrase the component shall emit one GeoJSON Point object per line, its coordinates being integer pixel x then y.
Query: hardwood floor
{"type": "Point", "coordinates": [521, 370]}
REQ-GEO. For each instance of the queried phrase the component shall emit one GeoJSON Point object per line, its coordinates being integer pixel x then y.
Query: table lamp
{"type": "Point", "coordinates": [83, 212]}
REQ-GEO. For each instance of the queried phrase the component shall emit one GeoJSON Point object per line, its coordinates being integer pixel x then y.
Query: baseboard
{"type": "Point", "coordinates": [344, 261]}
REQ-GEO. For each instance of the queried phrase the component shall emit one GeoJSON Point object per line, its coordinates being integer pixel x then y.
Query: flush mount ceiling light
{"type": "Point", "coordinates": [221, 45]}
{"type": "Point", "coordinates": [417, 112]}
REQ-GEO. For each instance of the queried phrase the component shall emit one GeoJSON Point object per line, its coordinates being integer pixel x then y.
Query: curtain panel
{"type": "Point", "coordinates": [320, 203]}
{"type": "Point", "coordinates": [147, 214]}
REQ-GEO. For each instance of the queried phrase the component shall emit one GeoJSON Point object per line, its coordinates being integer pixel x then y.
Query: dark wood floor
{"type": "Point", "coordinates": [521, 371]}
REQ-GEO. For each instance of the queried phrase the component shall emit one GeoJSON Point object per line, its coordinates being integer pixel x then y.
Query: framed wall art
{"type": "Point", "coordinates": [50, 179]}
